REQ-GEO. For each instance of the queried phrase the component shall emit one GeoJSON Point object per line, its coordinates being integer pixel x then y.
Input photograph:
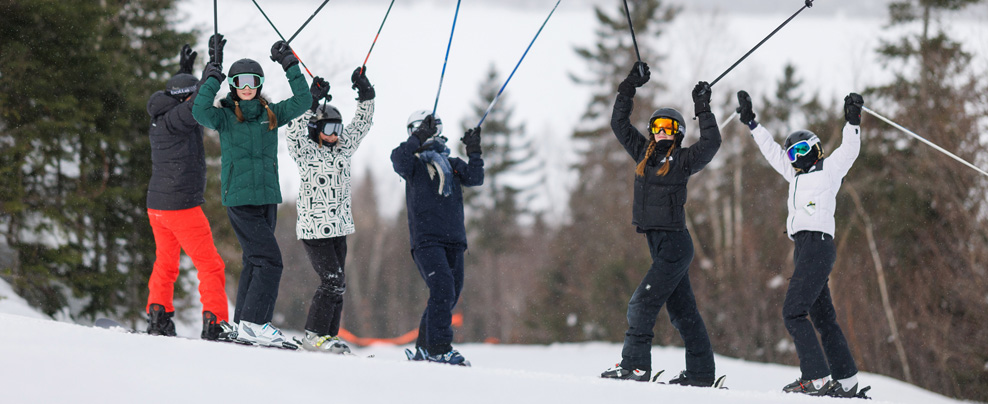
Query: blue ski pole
{"type": "Point", "coordinates": [496, 97]}
{"type": "Point", "coordinates": [443, 75]}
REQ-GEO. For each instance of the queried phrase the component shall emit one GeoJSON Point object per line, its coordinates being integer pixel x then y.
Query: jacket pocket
{"type": "Point", "coordinates": [229, 180]}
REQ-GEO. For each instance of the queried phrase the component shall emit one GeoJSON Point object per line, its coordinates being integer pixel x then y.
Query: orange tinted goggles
{"type": "Point", "coordinates": [669, 126]}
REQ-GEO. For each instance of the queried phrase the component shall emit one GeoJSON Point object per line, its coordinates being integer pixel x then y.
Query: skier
{"type": "Point", "coordinates": [663, 170]}
{"type": "Point", "coordinates": [248, 127]}
{"type": "Point", "coordinates": [434, 198]}
{"type": "Point", "coordinates": [813, 185]}
{"type": "Point", "coordinates": [323, 150]}
{"type": "Point", "coordinates": [175, 193]}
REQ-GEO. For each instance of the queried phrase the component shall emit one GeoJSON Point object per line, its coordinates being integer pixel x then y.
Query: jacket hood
{"type": "Point", "coordinates": [160, 102]}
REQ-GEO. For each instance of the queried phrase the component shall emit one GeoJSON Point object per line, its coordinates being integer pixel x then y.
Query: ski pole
{"type": "Point", "coordinates": [282, 37]}
{"type": "Point", "coordinates": [920, 138]}
{"type": "Point", "coordinates": [727, 121]}
{"type": "Point", "coordinates": [496, 97]}
{"type": "Point", "coordinates": [375, 38]}
{"type": "Point", "coordinates": [634, 41]}
{"type": "Point", "coordinates": [307, 22]}
{"type": "Point", "coordinates": [443, 75]}
{"type": "Point", "coordinates": [809, 4]}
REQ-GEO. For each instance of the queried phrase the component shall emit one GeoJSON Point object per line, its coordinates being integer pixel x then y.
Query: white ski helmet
{"type": "Point", "coordinates": [416, 118]}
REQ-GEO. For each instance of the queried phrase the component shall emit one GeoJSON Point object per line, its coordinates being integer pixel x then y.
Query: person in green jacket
{"type": "Point", "coordinates": [248, 127]}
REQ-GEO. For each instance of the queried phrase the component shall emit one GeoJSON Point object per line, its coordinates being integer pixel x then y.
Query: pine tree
{"type": "Point", "coordinates": [76, 162]}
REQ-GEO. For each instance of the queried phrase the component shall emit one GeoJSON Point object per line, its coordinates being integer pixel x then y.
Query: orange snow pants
{"type": "Point", "coordinates": [188, 229]}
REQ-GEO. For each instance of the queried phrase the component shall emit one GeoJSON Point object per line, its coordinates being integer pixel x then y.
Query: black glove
{"type": "Point", "coordinates": [638, 77]}
{"type": "Point", "coordinates": [744, 109]}
{"type": "Point", "coordinates": [187, 58]}
{"type": "Point", "coordinates": [216, 44]}
{"type": "Point", "coordinates": [213, 70]}
{"type": "Point", "coordinates": [701, 98]}
{"type": "Point", "coordinates": [471, 139]}
{"type": "Point", "coordinates": [852, 108]}
{"type": "Point", "coordinates": [426, 129]}
{"type": "Point", "coordinates": [282, 53]}
{"type": "Point", "coordinates": [365, 91]}
{"type": "Point", "coordinates": [319, 90]}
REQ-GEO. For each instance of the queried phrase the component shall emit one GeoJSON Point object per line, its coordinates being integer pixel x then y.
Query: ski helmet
{"type": "Point", "coordinates": [181, 85]}
{"type": "Point", "coordinates": [803, 161]}
{"type": "Point", "coordinates": [245, 66]}
{"type": "Point", "coordinates": [674, 115]}
{"type": "Point", "coordinates": [416, 118]}
{"type": "Point", "coordinates": [325, 114]}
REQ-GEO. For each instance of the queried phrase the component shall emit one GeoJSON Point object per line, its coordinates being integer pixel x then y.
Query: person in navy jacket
{"type": "Point", "coordinates": [434, 198]}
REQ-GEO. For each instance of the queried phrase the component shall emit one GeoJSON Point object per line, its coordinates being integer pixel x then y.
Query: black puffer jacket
{"type": "Point", "coordinates": [178, 160]}
{"type": "Point", "coordinates": [659, 200]}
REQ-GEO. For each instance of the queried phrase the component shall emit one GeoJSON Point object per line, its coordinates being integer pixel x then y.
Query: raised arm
{"type": "Point", "coordinates": [403, 157]}
{"type": "Point", "coordinates": [843, 157]}
{"type": "Point", "coordinates": [301, 99]}
{"type": "Point", "coordinates": [471, 173]}
{"type": "Point", "coordinates": [702, 152]}
{"type": "Point", "coordinates": [363, 119]}
{"type": "Point", "coordinates": [773, 153]}
{"type": "Point", "coordinates": [202, 108]}
{"type": "Point", "coordinates": [298, 136]}
{"type": "Point", "coordinates": [629, 137]}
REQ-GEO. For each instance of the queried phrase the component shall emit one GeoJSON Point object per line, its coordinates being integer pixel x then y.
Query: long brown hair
{"type": "Point", "coordinates": [640, 169]}
{"type": "Point", "coordinates": [272, 119]}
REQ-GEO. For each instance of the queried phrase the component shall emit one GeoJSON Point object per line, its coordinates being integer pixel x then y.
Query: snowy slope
{"type": "Point", "coordinates": [52, 362]}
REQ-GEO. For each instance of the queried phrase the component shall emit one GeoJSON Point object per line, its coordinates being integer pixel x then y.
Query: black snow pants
{"type": "Point", "coordinates": [442, 270]}
{"type": "Point", "coordinates": [667, 282]}
{"type": "Point", "coordinates": [809, 296]}
{"type": "Point", "coordinates": [328, 257]}
{"type": "Point", "coordinates": [259, 280]}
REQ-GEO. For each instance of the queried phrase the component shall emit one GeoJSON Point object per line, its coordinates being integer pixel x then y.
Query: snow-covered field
{"type": "Point", "coordinates": [46, 361]}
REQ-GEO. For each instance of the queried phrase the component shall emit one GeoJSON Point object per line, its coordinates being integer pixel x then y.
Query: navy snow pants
{"type": "Point", "coordinates": [442, 269]}
{"type": "Point", "coordinates": [667, 282]}
{"type": "Point", "coordinates": [261, 275]}
{"type": "Point", "coordinates": [328, 256]}
{"type": "Point", "coordinates": [809, 296]}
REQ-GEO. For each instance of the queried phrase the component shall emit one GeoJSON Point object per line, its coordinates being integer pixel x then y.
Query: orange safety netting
{"type": "Point", "coordinates": [405, 338]}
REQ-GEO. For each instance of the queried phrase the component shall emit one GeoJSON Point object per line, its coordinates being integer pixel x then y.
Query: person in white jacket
{"type": "Point", "coordinates": [813, 185]}
{"type": "Point", "coordinates": [323, 150]}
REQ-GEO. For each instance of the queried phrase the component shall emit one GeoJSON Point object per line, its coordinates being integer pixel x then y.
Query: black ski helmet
{"type": "Point", "coordinates": [325, 113]}
{"type": "Point", "coordinates": [807, 160]}
{"type": "Point", "coordinates": [245, 66]}
{"type": "Point", "coordinates": [181, 85]}
{"type": "Point", "coordinates": [671, 114]}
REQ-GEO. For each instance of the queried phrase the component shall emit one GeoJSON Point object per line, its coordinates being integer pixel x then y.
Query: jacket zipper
{"type": "Point", "coordinates": [795, 186]}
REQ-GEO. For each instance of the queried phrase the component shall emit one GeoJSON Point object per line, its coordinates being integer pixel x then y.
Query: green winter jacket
{"type": "Point", "coordinates": [249, 150]}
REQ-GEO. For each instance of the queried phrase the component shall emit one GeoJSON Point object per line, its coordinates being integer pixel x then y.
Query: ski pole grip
{"type": "Point", "coordinates": [809, 3]}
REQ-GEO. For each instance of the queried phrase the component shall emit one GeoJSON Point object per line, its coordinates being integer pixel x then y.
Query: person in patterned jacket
{"type": "Point", "coordinates": [323, 150]}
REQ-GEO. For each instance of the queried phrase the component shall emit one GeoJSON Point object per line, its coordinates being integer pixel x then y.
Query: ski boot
{"type": "Point", "coordinates": [324, 343]}
{"type": "Point", "coordinates": [213, 330]}
{"type": "Point", "coordinates": [160, 321]}
{"type": "Point", "coordinates": [818, 387]}
{"type": "Point", "coordinates": [685, 379]}
{"type": "Point", "coordinates": [263, 335]}
{"type": "Point", "coordinates": [839, 391]}
{"type": "Point", "coordinates": [618, 372]}
{"type": "Point", "coordinates": [453, 357]}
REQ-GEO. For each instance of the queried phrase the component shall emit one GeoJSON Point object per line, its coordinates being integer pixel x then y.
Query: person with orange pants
{"type": "Point", "coordinates": [175, 193]}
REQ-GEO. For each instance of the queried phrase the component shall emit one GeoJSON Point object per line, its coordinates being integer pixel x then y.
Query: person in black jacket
{"type": "Point", "coordinates": [175, 193]}
{"type": "Point", "coordinates": [664, 167]}
{"type": "Point", "coordinates": [434, 198]}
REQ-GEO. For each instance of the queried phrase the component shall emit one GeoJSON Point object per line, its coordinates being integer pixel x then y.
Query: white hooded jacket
{"type": "Point", "coordinates": [323, 201]}
{"type": "Point", "coordinates": [812, 195]}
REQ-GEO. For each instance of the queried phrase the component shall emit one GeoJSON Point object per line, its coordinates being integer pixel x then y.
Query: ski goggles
{"type": "Point", "coordinates": [800, 148]}
{"type": "Point", "coordinates": [327, 128]}
{"type": "Point", "coordinates": [669, 126]}
{"type": "Point", "coordinates": [245, 80]}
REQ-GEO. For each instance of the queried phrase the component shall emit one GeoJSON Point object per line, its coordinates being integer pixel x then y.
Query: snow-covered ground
{"type": "Point", "coordinates": [46, 361]}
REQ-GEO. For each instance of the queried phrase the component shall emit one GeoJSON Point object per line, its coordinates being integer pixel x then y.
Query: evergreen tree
{"type": "Point", "coordinates": [75, 77]}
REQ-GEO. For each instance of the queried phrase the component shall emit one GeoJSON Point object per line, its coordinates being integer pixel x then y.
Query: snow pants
{"type": "Point", "coordinates": [667, 282]}
{"type": "Point", "coordinates": [261, 275]}
{"type": "Point", "coordinates": [442, 269]}
{"type": "Point", "coordinates": [328, 256]}
{"type": "Point", "coordinates": [809, 296]}
{"type": "Point", "coordinates": [188, 229]}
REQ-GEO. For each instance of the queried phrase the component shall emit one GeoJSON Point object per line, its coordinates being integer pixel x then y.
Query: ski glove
{"type": "Point", "coordinates": [282, 53]}
{"type": "Point", "coordinates": [213, 70]}
{"type": "Point", "coordinates": [744, 109]}
{"type": "Point", "coordinates": [426, 129]}
{"type": "Point", "coordinates": [471, 139]}
{"type": "Point", "coordinates": [852, 108]}
{"type": "Point", "coordinates": [216, 44]}
{"type": "Point", "coordinates": [319, 90]}
{"type": "Point", "coordinates": [701, 98]}
{"type": "Point", "coordinates": [365, 91]}
{"type": "Point", "coordinates": [187, 58]}
{"type": "Point", "coordinates": [635, 79]}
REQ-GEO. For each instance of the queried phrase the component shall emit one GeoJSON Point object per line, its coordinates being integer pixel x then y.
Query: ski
{"type": "Point", "coordinates": [718, 384]}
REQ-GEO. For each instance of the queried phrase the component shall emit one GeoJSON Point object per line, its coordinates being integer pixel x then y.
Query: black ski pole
{"type": "Point", "coordinates": [375, 38]}
{"type": "Point", "coordinates": [282, 37]}
{"type": "Point", "coordinates": [216, 29]}
{"type": "Point", "coordinates": [307, 22]}
{"type": "Point", "coordinates": [634, 41]}
{"type": "Point", "coordinates": [809, 3]}
{"type": "Point", "coordinates": [443, 75]}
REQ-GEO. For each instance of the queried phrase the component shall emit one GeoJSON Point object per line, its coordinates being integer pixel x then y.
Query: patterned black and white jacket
{"type": "Point", "coordinates": [323, 201]}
